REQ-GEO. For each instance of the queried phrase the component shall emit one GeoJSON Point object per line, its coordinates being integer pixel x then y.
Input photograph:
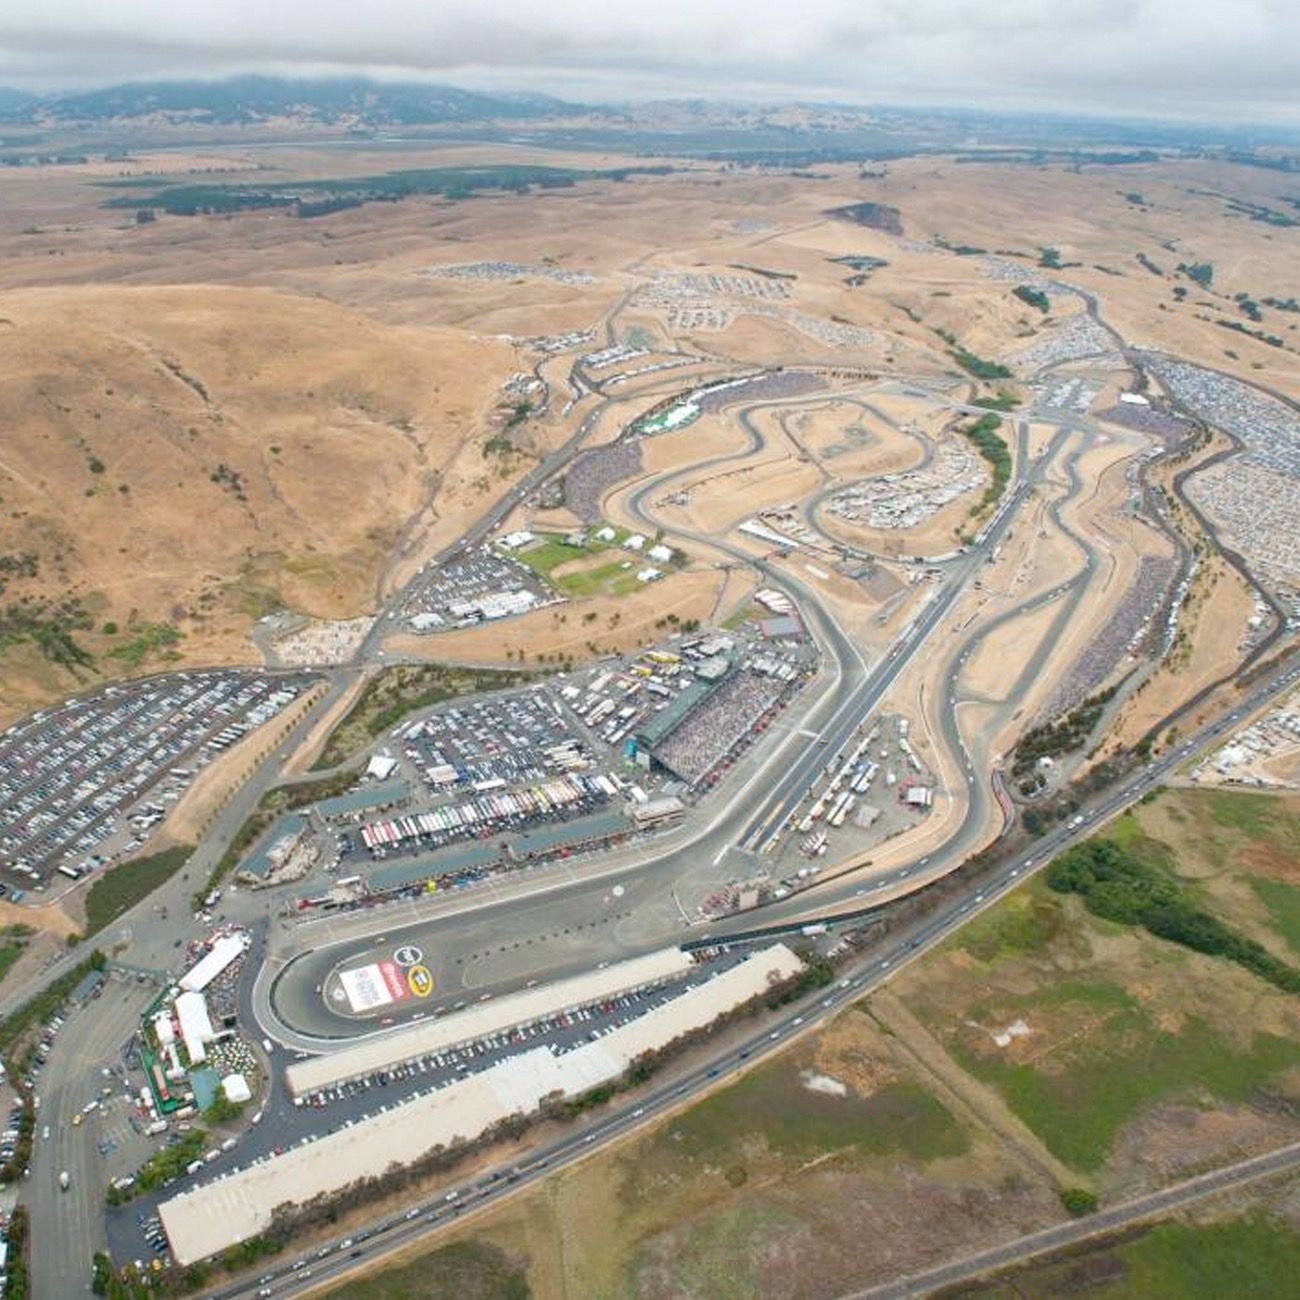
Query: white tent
{"type": "Point", "coordinates": [236, 1088]}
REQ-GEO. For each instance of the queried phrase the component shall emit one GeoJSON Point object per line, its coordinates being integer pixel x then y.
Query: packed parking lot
{"type": "Point", "coordinates": [478, 586]}
{"type": "Point", "coordinates": [83, 784]}
{"type": "Point", "coordinates": [563, 1030]}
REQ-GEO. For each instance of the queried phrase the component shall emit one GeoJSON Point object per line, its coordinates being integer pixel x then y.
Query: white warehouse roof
{"type": "Point", "coordinates": [222, 953]}
{"type": "Point", "coordinates": [381, 1051]}
{"type": "Point", "coordinates": [219, 1214]}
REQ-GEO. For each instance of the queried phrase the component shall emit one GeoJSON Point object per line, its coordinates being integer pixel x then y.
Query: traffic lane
{"type": "Point", "coordinates": [67, 1227]}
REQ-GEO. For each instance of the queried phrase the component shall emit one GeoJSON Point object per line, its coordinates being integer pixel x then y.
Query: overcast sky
{"type": "Point", "coordinates": [1212, 59]}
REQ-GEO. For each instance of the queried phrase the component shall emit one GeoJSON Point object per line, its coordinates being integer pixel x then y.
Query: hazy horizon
{"type": "Point", "coordinates": [1199, 60]}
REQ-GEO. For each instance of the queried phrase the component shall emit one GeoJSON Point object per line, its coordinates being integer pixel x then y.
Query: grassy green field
{"type": "Point", "coordinates": [1255, 816]}
{"type": "Point", "coordinates": [13, 941]}
{"type": "Point", "coordinates": [122, 887]}
{"type": "Point", "coordinates": [1109, 1061]}
{"type": "Point", "coordinates": [773, 1104]}
{"type": "Point", "coordinates": [464, 1270]}
{"type": "Point", "coordinates": [1282, 902]}
{"type": "Point", "coordinates": [1253, 1256]}
{"type": "Point", "coordinates": [616, 578]}
{"type": "Point", "coordinates": [1024, 925]}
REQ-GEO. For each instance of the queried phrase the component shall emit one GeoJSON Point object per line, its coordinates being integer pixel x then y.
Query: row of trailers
{"type": "Point", "coordinates": [490, 808]}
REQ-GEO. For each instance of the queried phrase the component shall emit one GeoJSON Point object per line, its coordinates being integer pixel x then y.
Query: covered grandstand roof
{"type": "Point", "coordinates": [660, 725]}
{"type": "Point", "coordinates": [459, 857]}
{"type": "Point", "coordinates": [222, 1213]}
{"type": "Point", "coordinates": [553, 835]}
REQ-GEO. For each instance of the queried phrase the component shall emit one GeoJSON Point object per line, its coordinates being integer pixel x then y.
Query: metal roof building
{"type": "Point", "coordinates": [222, 1213]}
{"type": "Point", "coordinates": [379, 1052]}
{"type": "Point", "coordinates": [460, 857]}
{"type": "Point", "coordinates": [196, 1025]}
{"type": "Point", "coordinates": [659, 726]}
{"type": "Point", "coordinates": [366, 796]}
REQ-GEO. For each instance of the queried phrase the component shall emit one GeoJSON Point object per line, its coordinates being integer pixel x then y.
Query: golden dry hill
{"type": "Point", "coordinates": [194, 457]}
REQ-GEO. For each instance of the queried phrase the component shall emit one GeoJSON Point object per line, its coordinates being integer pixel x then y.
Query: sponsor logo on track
{"type": "Point", "coordinates": [420, 978]}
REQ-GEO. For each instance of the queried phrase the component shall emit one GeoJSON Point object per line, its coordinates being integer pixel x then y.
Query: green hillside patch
{"type": "Point", "coordinates": [1094, 1060]}
{"type": "Point", "coordinates": [1256, 1255]}
{"type": "Point", "coordinates": [1259, 817]}
{"type": "Point", "coordinates": [1023, 925]}
{"type": "Point", "coordinates": [773, 1103]}
{"type": "Point", "coordinates": [463, 1270]}
{"type": "Point", "coordinates": [1282, 902]}
{"type": "Point", "coordinates": [13, 942]}
{"type": "Point", "coordinates": [1131, 881]}
{"type": "Point", "coordinates": [119, 889]}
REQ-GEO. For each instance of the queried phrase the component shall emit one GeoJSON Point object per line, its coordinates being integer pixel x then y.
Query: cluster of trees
{"type": "Point", "coordinates": [978, 366]}
{"type": "Point", "coordinates": [993, 447]}
{"type": "Point", "coordinates": [1062, 736]}
{"type": "Point", "coordinates": [49, 626]}
{"type": "Point", "coordinates": [17, 1280]}
{"type": "Point", "coordinates": [1201, 273]}
{"type": "Point", "coordinates": [163, 1167]}
{"type": "Point", "coordinates": [1034, 297]}
{"type": "Point", "coordinates": [1263, 336]}
{"type": "Point", "coordinates": [1117, 884]}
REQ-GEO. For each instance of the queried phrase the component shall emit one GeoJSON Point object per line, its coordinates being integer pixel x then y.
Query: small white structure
{"type": "Point", "coordinates": [196, 1026]}
{"type": "Point", "coordinates": [236, 1088]}
{"type": "Point", "coordinates": [661, 554]}
{"type": "Point", "coordinates": [633, 542]}
{"type": "Point", "coordinates": [777, 601]}
{"type": "Point", "coordinates": [1134, 399]}
{"type": "Point", "coordinates": [381, 767]}
{"type": "Point", "coordinates": [648, 574]}
{"type": "Point", "coordinates": [514, 541]}
{"type": "Point", "coordinates": [606, 534]}
{"type": "Point", "coordinates": [162, 1028]}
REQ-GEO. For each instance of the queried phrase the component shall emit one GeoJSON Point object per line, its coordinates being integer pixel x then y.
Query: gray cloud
{"type": "Point", "coordinates": [1236, 59]}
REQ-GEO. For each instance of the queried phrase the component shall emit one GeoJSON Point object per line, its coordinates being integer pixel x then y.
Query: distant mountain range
{"type": "Point", "coordinates": [351, 101]}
